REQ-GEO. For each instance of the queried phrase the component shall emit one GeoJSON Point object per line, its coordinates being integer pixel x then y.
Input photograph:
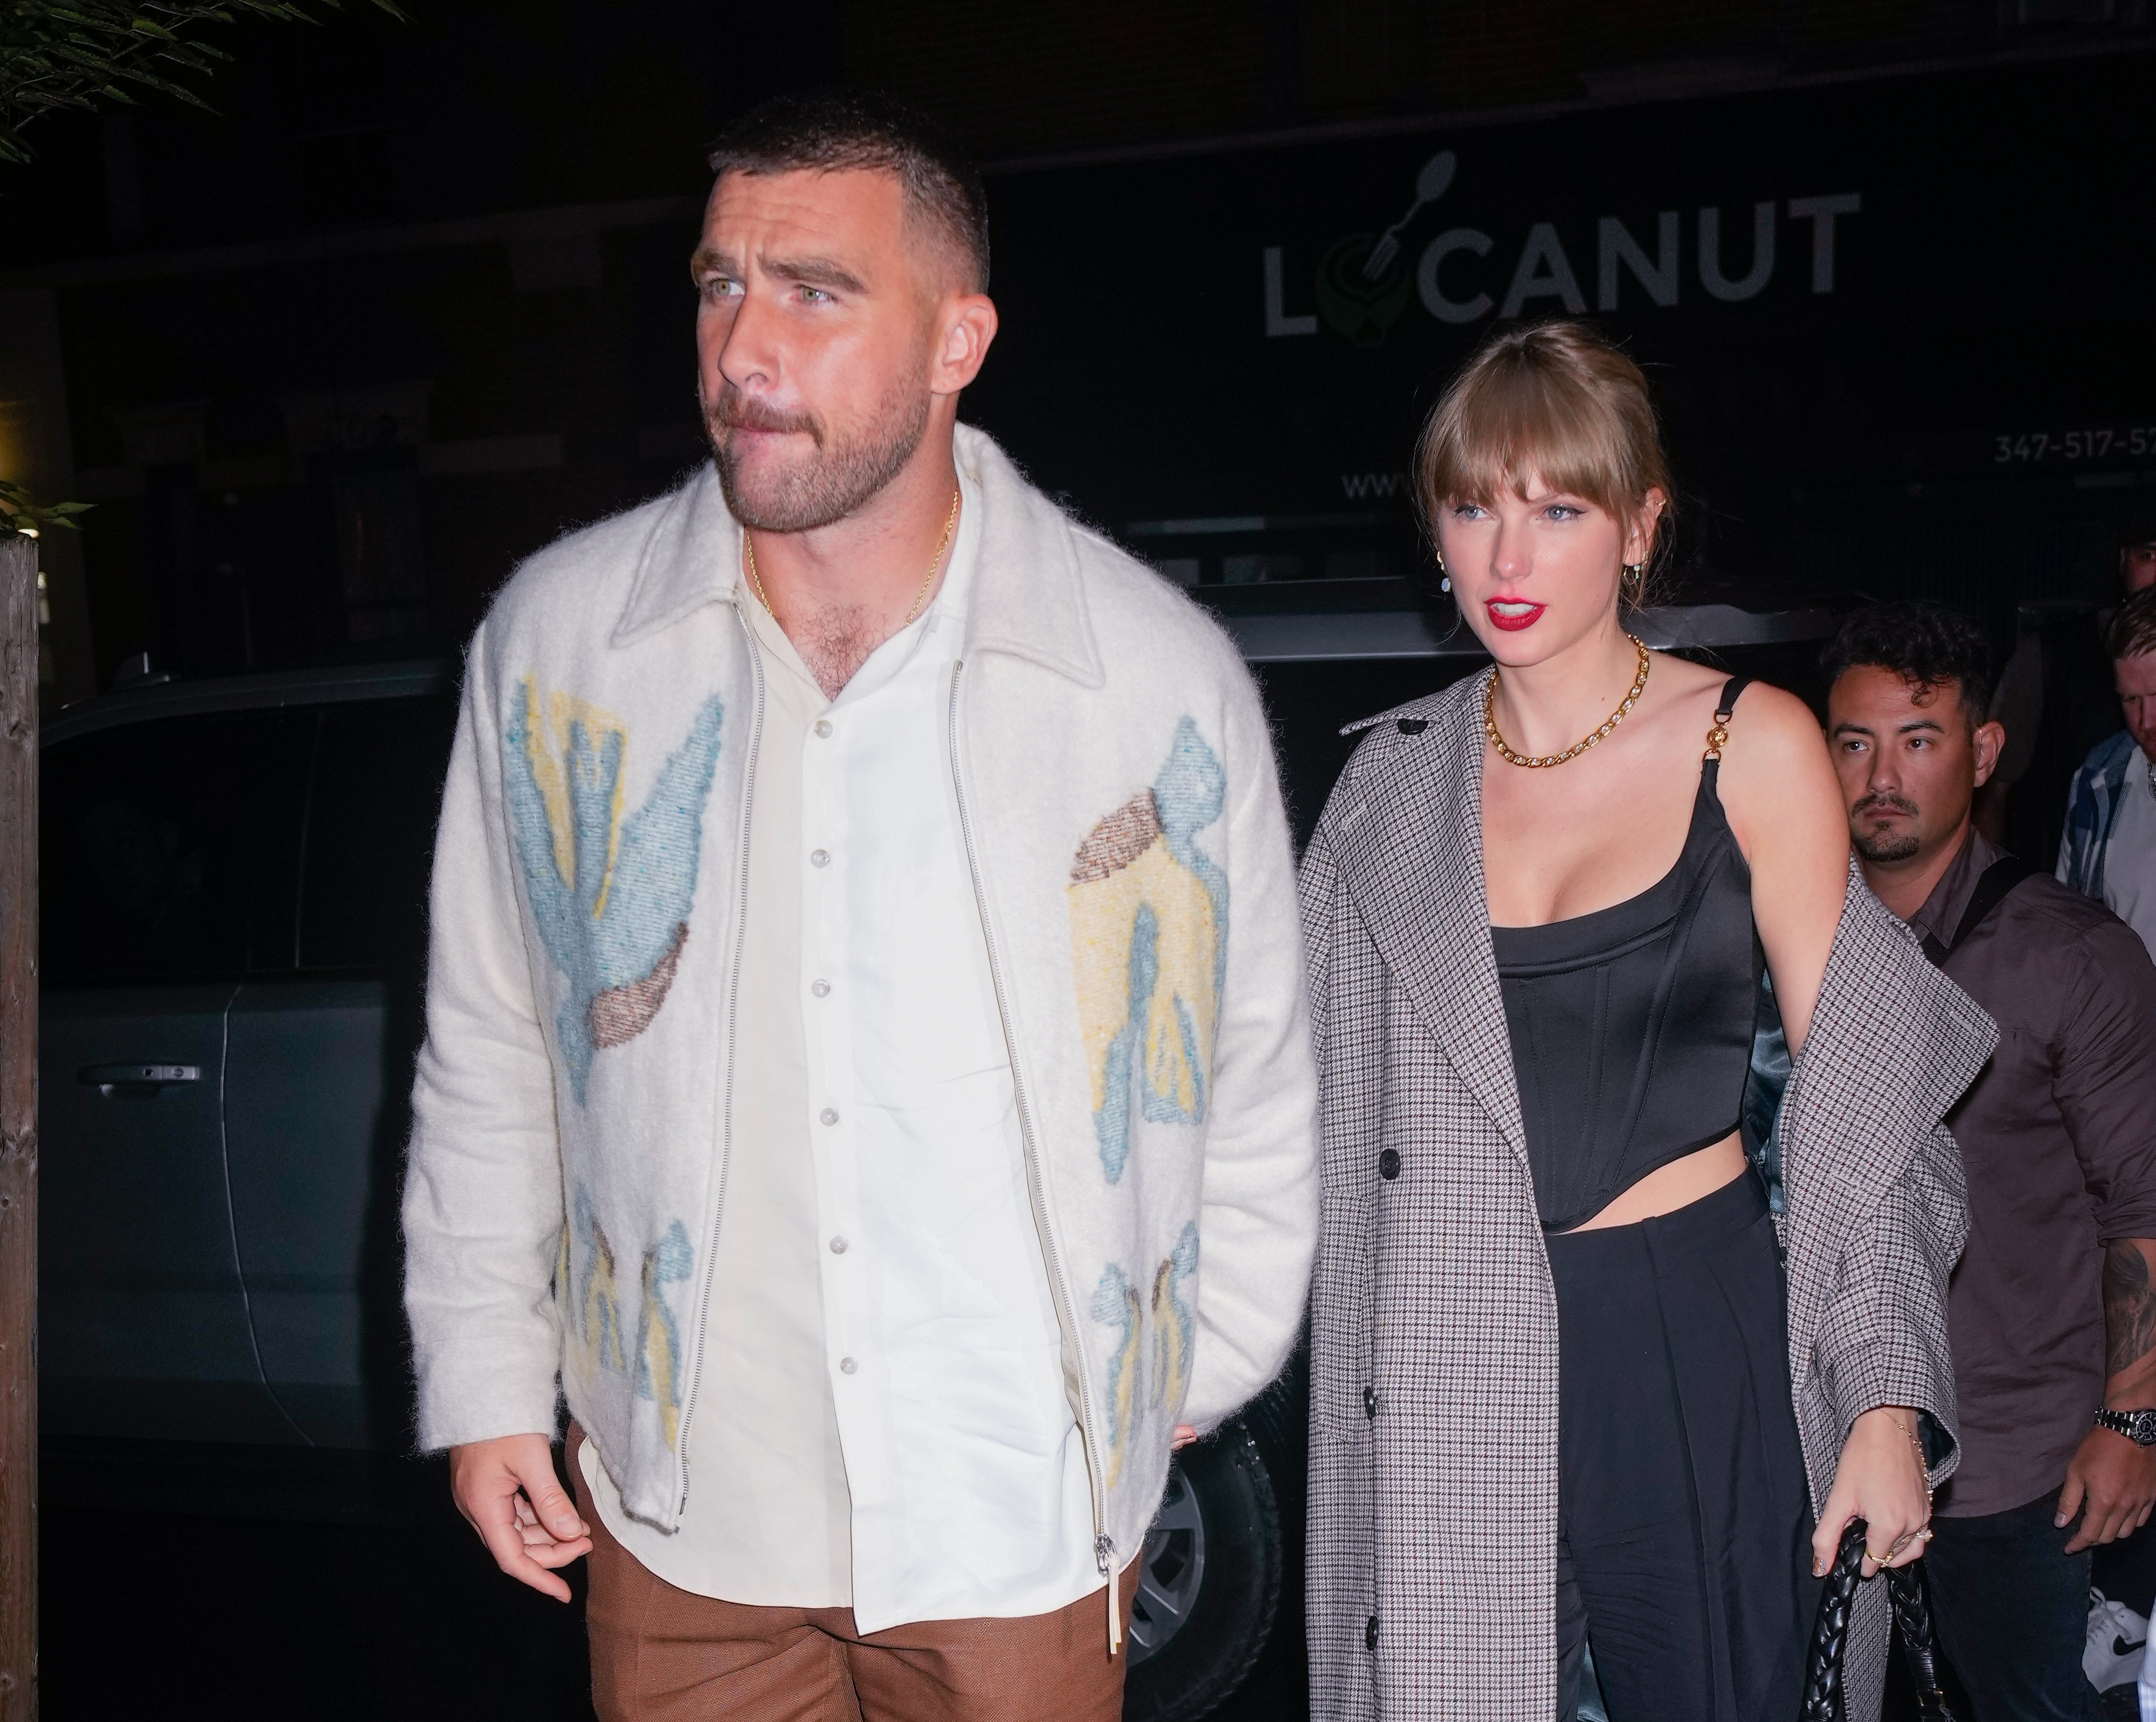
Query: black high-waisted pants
{"type": "Point", "coordinates": [1684, 1546]}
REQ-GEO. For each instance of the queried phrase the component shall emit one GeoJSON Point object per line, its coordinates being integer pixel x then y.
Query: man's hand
{"type": "Point", "coordinates": [2111, 1483]}
{"type": "Point", "coordinates": [1184, 1435]}
{"type": "Point", "coordinates": [507, 1488]}
{"type": "Point", "coordinates": [1881, 1480]}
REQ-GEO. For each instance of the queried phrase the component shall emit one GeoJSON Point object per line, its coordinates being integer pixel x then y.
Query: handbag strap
{"type": "Point", "coordinates": [1823, 1696]}
{"type": "Point", "coordinates": [1823, 1701]}
{"type": "Point", "coordinates": [1912, 1597]}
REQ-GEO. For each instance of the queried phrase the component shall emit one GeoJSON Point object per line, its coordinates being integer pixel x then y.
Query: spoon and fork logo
{"type": "Point", "coordinates": [1361, 290]}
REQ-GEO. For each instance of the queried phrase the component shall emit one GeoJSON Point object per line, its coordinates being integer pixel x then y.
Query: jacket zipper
{"type": "Point", "coordinates": [1104, 1550]}
{"type": "Point", "coordinates": [726, 1074]}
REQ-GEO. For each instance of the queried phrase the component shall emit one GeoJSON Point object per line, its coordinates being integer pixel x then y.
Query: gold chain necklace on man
{"type": "Point", "coordinates": [1609, 723]}
{"type": "Point", "coordinates": [921, 597]}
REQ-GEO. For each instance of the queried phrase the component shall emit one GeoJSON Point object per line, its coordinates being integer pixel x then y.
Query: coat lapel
{"type": "Point", "coordinates": [1409, 848]}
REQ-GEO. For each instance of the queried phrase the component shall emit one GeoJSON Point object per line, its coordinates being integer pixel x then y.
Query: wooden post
{"type": "Point", "coordinates": [18, 1129]}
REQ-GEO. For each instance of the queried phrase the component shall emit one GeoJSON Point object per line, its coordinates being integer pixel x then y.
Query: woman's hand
{"type": "Point", "coordinates": [1882, 1480]}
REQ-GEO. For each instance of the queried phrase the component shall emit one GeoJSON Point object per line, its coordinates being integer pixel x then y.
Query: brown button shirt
{"type": "Point", "coordinates": [2059, 1135]}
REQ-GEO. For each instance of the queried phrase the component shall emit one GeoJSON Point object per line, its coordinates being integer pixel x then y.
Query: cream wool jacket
{"type": "Point", "coordinates": [1131, 861]}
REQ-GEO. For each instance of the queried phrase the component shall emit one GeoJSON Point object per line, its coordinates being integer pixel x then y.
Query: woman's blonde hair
{"type": "Point", "coordinates": [1556, 401]}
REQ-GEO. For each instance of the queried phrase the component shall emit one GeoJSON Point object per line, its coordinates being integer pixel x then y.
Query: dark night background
{"type": "Point", "coordinates": [414, 299]}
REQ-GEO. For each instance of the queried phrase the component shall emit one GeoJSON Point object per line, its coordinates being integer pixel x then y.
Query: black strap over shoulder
{"type": "Point", "coordinates": [1998, 879]}
{"type": "Point", "coordinates": [1719, 734]}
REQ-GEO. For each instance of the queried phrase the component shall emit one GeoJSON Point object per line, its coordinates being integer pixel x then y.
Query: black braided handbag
{"type": "Point", "coordinates": [1912, 1614]}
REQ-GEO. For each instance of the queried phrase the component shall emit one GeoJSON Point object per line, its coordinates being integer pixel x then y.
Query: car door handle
{"type": "Point", "coordinates": [136, 1082]}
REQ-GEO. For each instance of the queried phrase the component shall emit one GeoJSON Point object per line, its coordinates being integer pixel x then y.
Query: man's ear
{"type": "Point", "coordinates": [1989, 739]}
{"type": "Point", "coordinates": [966, 326]}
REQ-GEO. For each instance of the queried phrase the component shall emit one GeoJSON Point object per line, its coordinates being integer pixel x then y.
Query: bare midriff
{"type": "Point", "coordinates": [1677, 1185]}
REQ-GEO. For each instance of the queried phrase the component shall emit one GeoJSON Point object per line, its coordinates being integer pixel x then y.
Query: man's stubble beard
{"type": "Point", "coordinates": [1888, 848]}
{"type": "Point", "coordinates": [837, 480]}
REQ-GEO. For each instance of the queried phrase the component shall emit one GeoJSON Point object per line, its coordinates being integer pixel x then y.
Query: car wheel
{"type": "Point", "coordinates": [1208, 1584]}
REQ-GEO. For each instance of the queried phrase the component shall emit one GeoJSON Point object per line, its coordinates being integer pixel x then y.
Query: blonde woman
{"type": "Point", "coordinates": [1564, 1389]}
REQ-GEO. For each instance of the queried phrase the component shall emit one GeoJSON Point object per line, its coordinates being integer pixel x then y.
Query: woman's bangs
{"type": "Point", "coordinates": [1519, 427]}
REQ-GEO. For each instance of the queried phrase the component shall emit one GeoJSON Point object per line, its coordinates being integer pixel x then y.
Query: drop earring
{"type": "Point", "coordinates": [1445, 583]}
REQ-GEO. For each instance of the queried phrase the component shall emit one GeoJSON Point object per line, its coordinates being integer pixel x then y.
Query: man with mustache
{"type": "Point", "coordinates": [866, 1056]}
{"type": "Point", "coordinates": [2052, 1311]}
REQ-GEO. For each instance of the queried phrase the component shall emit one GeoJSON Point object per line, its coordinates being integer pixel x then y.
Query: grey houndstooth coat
{"type": "Point", "coordinates": [1433, 1392]}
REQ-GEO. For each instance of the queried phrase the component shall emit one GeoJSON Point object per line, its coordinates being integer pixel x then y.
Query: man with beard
{"type": "Point", "coordinates": [2051, 1312]}
{"type": "Point", "coordinates": [865, 1052]}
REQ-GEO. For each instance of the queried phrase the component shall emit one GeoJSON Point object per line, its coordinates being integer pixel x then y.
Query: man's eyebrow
{"type": "Point", "coordinates": [1921, 724]}
{"type": "Point", "coordinates": [1848, 727]}
{"type": "Point", "coordinates": [706, 261]}
{"type": "Point", "coordinates": [814, 271]}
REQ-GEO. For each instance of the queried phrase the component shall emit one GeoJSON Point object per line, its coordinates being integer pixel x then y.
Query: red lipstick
{"type": "Point", "coordinates": [1512, 614]}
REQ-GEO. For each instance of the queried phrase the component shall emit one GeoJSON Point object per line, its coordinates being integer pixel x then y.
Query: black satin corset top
{"type": "Point", "coordinates": [1631, 1027]}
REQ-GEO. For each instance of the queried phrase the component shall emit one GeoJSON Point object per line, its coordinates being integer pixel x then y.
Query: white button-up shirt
{"type": "Point", "coordinates": [881, 1418]}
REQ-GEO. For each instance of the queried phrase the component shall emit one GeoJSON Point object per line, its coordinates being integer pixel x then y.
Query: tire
{"type": "Point", "coordinates": [1210, 1583]}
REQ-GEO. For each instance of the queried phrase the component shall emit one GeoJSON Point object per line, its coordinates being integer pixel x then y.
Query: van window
{"type": "Point", "coordinates": [165, 849]}
{"type": "Point", "coordinates": [372, 803]}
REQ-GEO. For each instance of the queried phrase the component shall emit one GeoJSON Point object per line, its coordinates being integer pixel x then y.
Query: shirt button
{"type": "Point", "coordinates": [838, 1246]}
{"type": "Point", "coordinates": [822, 989]}
{"type": "Point", "coordinates": [847, 1366]}
{"type": "Point", "coordinates": [823, 727]}
{"type": "Point", "coordinates": [829, 1115]}
{"type": "Point", "coordinates": [1388, 1165]}
{"type": "Point", "coordinates": [819, 857]}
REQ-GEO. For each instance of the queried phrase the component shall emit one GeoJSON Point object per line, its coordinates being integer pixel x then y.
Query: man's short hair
{"type": "Point", "coordinates": [2130, 630]}
{"type": "Point", "coordinates": [834, 130]}
{"type": "Point", "coordinates": [1926, 643]}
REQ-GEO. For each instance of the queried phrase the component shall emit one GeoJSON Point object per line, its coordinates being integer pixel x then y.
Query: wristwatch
{"type": "Point", "coordinates": [2139, 1427]}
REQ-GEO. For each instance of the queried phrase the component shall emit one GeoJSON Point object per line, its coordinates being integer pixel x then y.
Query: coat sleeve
{"type": "Point", "coordinates": [483, 1181]}
{"type": "Point", "coordinates": [1878, 1202]}
{"type": "Point", "coordinates": [1883, 1339]}
{"type": "Point", "coordinates": [1258, 1219]}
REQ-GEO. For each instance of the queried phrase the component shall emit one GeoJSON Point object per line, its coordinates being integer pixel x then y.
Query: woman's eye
{"type": "Point", "coordinates": [1467, 511]}
{"type": "Point", "coordinates": [1562, 511]}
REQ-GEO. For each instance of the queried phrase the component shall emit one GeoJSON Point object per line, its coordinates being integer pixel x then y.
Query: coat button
{"type": "Point", "coordinates": [1369, 1402]}
{"type": "Point", "coordinates": [1370, 1634]}
{"type": "Point", "coordinates": [1388, 1165]}
{"type": "Point", "coordinates": [1410, 726]}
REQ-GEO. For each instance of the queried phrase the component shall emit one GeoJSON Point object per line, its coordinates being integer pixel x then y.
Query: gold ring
{"type": "Point", "coordinates": [1878, 1560]}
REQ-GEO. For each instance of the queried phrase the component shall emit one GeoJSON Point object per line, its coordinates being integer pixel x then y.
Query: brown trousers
{"type": "Point", "coordinates": [661, 1654]}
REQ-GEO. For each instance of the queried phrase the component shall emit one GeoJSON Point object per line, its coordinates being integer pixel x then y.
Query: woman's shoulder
{"type": "Point", "coordinates": [1772, 733]}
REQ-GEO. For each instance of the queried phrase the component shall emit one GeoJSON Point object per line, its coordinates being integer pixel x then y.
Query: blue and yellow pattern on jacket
{"type": "Point", "coordinates": [587, 1286]}
{"type": "Point", "coordinates": [1149, 1369]}
{"type": "Point", "coordinates": [1149, 939]}
{"type": "Point", "coordinates": [609, 893]}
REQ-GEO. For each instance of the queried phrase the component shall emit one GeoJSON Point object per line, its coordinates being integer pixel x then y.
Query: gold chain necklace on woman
{"type": "Point", "coordinates": [921, 597]}
{"type": "Point", "coordinates": [1609, 723]}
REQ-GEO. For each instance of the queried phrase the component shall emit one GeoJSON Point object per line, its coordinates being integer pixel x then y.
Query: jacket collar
{"type": "Point", "coordinates": [1410, 855]}
{"type": "Point", "coordinates": [1028, 598]}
